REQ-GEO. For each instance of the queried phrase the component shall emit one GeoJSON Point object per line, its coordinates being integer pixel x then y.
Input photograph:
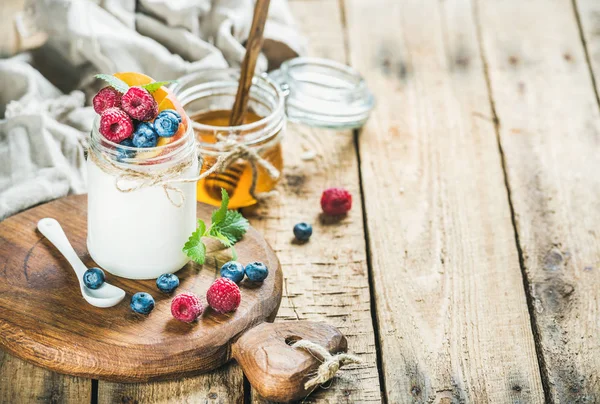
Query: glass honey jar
{"type": "Point", "coordinates": [207, 98]}
{"type": "Point", "coordinates": [311, 91]}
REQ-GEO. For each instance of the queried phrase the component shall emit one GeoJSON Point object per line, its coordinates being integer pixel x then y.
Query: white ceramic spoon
{"type": "Point", "coordinates": [106, 295]}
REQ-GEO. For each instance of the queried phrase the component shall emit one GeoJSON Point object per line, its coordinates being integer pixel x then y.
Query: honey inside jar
{"type": "Point", "coordinates": [237, 178]}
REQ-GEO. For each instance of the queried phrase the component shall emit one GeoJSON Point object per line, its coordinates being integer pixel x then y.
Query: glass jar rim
{"type": "Point", "coordinates": [324, 93]}
{"type": "Point", "coordinates": [263, 122]}
{"type": "Point", "coordinates": [359, 88]}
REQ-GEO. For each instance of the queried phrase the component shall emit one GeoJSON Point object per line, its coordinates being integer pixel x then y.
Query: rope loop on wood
{"type": "Point", "coordinates": [330, 363]}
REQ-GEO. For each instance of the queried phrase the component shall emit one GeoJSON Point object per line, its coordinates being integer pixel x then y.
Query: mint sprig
{"type": "Point", "coordinates": [152, 87]}
{"type": "Point", "coordinates": [114, 82]}
{"type": "Point", "coordinates": [227, 226]}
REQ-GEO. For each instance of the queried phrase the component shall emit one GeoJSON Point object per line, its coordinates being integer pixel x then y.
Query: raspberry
{"type": "Point", "coordinates": [139, 104]}
{"type": "Point", "coordinates": [186, 307]}
{"type": "Point", "coordinates": [336, 201]}
{"type": "Point", "coordinates": [115, 125]}
{"type": "Point", "coordinates": [223, 295]}
{"type": "Point", "coordinates": [106, 98]}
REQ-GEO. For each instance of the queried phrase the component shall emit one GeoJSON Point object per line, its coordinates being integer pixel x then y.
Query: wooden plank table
{"type": "Point", "coordinates": [469, 267]}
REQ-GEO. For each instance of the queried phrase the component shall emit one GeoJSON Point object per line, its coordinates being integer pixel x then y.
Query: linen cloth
{"type": "Point", "coordinates": [43, 129]}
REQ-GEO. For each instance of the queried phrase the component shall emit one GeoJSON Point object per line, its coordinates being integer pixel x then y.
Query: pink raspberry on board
{"type": "Point", "coordinates": [139, 104]}
{"type": "Point", "coordinates": [223, 295]}
{"type": "Point", "coordinates": [115, 125]}
{"type": "Point", "coordinates": [186, 307]}
{"type": "Point", "coordinates": [336, 201]}
{"type": "Point", "coordinates": [106, 98]}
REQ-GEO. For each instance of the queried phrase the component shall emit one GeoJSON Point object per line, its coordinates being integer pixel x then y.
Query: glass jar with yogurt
{"type": "Point", "coordinates": [136, 226]}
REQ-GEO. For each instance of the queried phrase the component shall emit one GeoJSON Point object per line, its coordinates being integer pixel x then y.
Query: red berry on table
{"type": "Point", "coordinates": [115, 125]}
{"type": "Point", "coordinates": [106, 98]}
{"type": "Point", "coordinates": [223, 295]}
{"type": "Point", "coordinates": [139, 104]}
{"type": "Point", "coordinates": [336, 201]}
{"type": "Point", "coordinates": [186, 307]}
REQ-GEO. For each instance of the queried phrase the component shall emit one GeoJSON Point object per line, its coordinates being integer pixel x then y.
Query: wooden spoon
{"type": "Point", "coordinates": [253, 48]}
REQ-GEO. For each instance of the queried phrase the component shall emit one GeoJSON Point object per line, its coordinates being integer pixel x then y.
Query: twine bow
{"type": "Point", "coordinates": [241, 151]}
{"type": "Point", "coordinates": [172, 175]}
{"type": "Point", "coordinates": [330, 363]}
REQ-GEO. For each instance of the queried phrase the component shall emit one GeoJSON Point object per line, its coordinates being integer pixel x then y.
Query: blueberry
{"type": "Point", "coordinates": [167, 123]}
{"type": "Point", "coordinates": [125, 154]}
{"type": "Point", "coordinates": [167, 283]}
{"type": "Point", "coordinates": [93, 278]}
{"type": "Point", "coordinates": [172, 112]}
{"type": "Point", "coordinates": [142, 303]}
{"type": "Point", "coordinates": [303, 231]}
{"type": "Point", "coordinates": [256, 271]}
{"type": "Point", "coordinates": [233, 270]}
{"type": "Point", "coordinates": [144, 135]}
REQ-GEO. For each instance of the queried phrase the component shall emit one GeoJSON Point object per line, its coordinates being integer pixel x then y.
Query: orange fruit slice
{"type": "Point", "coordinates": [134, 79]}
{"type": "Point", "coordinates": [169, 101]}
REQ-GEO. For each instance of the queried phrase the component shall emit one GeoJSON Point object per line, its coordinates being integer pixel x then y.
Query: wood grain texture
{"type": "Point", "coordinates": [44, 320]}
{"type": "Point", "coordinates": [224, 385]}
{"type": "Point", "coordinates": [325, 279]}
{"type": "Point", "coordinates": [22, 382]}
{"type": "Point", "coordinates": [451, 309]}
{"type": "Point", "coordinates": [549, 125]}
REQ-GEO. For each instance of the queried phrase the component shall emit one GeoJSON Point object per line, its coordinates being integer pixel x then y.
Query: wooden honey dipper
{"type": "Point", "coordinates": [231, 176]}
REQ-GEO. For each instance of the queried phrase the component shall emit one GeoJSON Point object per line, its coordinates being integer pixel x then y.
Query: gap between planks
{"type": "Point", "coordinates": [526, 285]}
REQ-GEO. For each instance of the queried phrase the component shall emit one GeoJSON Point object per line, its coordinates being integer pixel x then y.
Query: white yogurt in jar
{"type": "Point", "coordinates": [140, 234]}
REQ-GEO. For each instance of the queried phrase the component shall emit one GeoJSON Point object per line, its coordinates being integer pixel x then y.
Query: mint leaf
{"type": "Point", "coordinates": [234, 256]}
{"type": "Point", "coordinates": [219, 236]}
{"type": "Point", "coordinates": [114, 82]}
{"type": "Point", "coordinates": [194, 247]}
{"type": "Point", "coordinates": [201, 227]}
{"type": "Point", "coordinates": [219, 215]}
{"type": "Point", "coordinates": [233, 227]}
{"type": "Point", "coordinates": [227, 226]}
{"type": "Point", "coordinates": [152, 87]}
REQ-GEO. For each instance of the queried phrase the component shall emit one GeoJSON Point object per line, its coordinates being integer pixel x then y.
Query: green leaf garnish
{"type": "Point", "coordinates": [152, 87]}
{"type": "Point", "coordinates": [194, 247]}
{"type": "Point", "coordinates": [219, 215]}
{"type": "Point", "coordinates": [232, 227]}
{"type": "Point", "coordinates": [227, 226]}
{"type": "Point", "coordinates": [114, 82]}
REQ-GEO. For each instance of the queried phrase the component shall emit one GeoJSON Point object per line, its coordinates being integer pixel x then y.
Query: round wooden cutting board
{"type": "Point", "coordinates": [45, 320]}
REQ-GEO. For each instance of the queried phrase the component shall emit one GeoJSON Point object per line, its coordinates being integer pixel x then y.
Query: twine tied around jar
{"type": "Point", "coordinates": [234, 150]}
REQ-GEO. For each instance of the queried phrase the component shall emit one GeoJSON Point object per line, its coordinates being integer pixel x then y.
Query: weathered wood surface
{"type": "Point", "coordinates": [451, 310]}
{"type": "Point", "coordinates": [325, 279]}
{"type": "Point", "coordinates": [452, 316]}
{"type": "Point", "coordinates": [549, 126]}
{"type": "Point", "coordinates": [21, 382]}
{"type": "Point", "coordinates": [224, 385]}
